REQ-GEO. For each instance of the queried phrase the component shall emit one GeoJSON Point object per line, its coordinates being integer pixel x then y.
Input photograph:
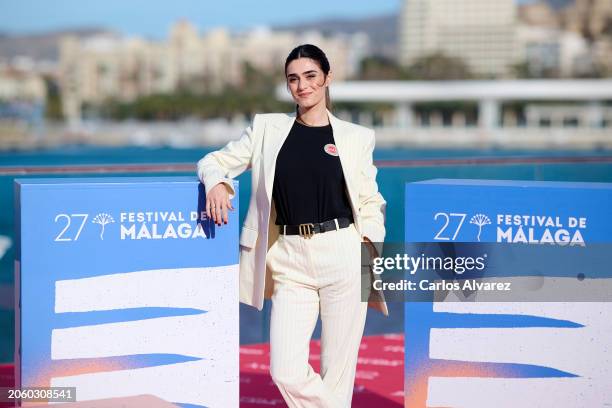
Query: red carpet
{"type": "Point", "coordinates": [379, 382]}
{"type": "Point", "coordinates": [6, 375]}
{"type": "Point", "coordinates": [7, 380]}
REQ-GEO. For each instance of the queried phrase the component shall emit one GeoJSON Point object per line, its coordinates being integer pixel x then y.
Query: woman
{"type": "Point", "coordinates": [314, 199]}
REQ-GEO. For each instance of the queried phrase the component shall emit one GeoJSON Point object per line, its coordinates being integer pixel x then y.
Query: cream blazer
{"type": "Point", "coordinates": [257, 150]}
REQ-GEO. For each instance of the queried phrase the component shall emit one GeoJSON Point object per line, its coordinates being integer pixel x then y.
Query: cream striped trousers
{"type": "Point", "coordinates": [320, 274]}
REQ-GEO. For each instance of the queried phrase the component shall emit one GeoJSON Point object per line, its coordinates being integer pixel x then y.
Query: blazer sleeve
{"type": "Point", "coordinates": [372, 204]}
{"type": "Point", "coordinates": [223, 165]}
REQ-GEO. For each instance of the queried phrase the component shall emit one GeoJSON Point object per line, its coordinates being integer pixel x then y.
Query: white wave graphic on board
{"type": "Point", "coordinates": [584, 351]}
{"type": "Point", "coordinates": [211, 381]}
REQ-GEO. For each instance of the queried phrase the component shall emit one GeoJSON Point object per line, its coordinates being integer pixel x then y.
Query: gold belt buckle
{"type": "Point", "coordinates": [306, 230]}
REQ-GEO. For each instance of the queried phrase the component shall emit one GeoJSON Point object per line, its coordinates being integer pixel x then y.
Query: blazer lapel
{"type": "Point", "coordinates": [346, 153]}
{"type": "Point", "coordinates": [339, 140]}
{"type": "Point", "coordinates": [274, 137]}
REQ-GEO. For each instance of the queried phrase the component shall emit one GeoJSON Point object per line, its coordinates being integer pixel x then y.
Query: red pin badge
{"type": "Point", "coordinates": [331, 149]}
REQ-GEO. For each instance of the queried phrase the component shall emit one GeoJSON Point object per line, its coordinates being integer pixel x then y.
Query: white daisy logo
{"type": "Point", "coordinates": [103, 219]}
{"type": "Point", "coordinates": [480, 220]}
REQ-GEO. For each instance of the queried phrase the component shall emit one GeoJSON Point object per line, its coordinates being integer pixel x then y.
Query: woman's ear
{"type": "Point", "coordinates": [328, 78]}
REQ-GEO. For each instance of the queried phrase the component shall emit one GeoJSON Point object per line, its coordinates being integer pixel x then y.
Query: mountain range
{"type": "Point", "coordinates": [42, 46]}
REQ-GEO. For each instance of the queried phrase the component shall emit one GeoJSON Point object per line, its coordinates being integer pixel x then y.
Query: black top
{"type": "Point", "coordinates": [309, 184]}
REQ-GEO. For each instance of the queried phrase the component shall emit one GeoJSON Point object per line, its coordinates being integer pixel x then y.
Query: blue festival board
{"type": "Point", "coordinates": [125, 288]}
{"type": "Point", "coordinates": [509, 354]}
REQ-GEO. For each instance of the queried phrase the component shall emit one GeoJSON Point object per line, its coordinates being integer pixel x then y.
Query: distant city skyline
{"type": "Point", "coordinates": [154, 19]}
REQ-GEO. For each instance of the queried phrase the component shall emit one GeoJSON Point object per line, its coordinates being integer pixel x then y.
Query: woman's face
{"type": "Point", "coordinates": [307, 82]}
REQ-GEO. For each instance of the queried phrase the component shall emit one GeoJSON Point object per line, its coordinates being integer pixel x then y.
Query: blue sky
{"type": "Point", "coordinates": [152, 18]}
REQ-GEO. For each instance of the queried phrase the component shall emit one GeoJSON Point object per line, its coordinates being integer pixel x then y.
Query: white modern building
{"type": "Point", "coordinates": [551, 51]}
{"type": "Point", "coordinates": [480, 32]}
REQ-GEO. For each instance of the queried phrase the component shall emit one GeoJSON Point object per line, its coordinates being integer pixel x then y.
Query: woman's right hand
{"type": "Point", "coordinates": [218, 203]}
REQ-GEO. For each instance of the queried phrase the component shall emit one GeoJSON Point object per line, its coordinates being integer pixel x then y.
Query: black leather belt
{"type": "Point", "coordinates": [308, 230]}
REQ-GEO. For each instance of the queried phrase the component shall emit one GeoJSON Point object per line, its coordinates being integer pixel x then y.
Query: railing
{"type": "Point", "coordinates": [503, 137]}
{"type": "Point", "coordinates": [190, 167]}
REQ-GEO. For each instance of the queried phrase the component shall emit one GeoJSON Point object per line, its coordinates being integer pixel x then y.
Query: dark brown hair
{"type": "Point", "coordinates": [316, 54]}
